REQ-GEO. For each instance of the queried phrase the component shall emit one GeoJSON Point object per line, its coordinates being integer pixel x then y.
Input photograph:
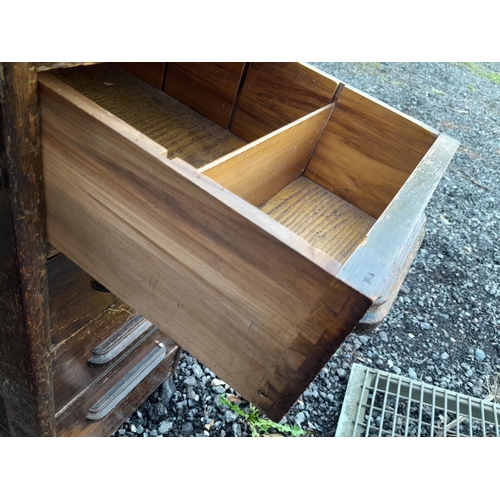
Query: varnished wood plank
{"type": "Point", "coordinates": [71, 373]}
{"type": "Point", "coordinates": [209, 88]}
{"type": "Point", "coordinates": [367, 151]}
{"type": "Point", "coordinates": [73, 422]}
{"type": "Point", "coordinates": [263, 168]}
{"type": "Point", "coordinates": [150, 72]}
{"type": "Point", "coordinates": [324, 220]}
{"type": "Point", "coordinates": [73, 299]}
{"type": "Point", "coordinates": [183, 132]}
{"type": "Point", "coordinates": [245, 295]}
{"type": "Point", "coordinates": [375, 266]}
{"type": "Point", "coordinates": [276, 94]}
{"type": "Point", "coordinates": [25, 365]}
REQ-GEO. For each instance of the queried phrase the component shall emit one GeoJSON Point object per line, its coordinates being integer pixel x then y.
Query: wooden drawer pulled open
{"type": "Point", "coordinates": [256, 233]}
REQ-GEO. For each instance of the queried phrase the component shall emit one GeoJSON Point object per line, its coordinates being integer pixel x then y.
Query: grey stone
{"type": "Point", "coordinates": [197, 371]}
{"type": "Point", "coordinates": [445, 356]}
{"type": "Point", "coordinates": [469, 373]}
{"type": "Point", "coordinates": [191, 394]}
{"type": "Point", "coordinates": [167, 390]}
{"type": "Point", "coordinates": [189, 381]}
{"type": "Point", "coordinates": [425, 326]}
{"type": "Point", "coordinates": [230, 416]}
{"type": "Point", "coordinates": [153, 433]}
{"type": "Point", "coordinates": [219, 389]}
{"type": "Point", "coordinates": [383, 336]}
{"type": "Point", "coordinates": [364, 339]}
{"type": "Point", "coordinates": [133, 428]}
{"type": "Point", "coordinates": [300, 418]}
{"type": "Point", "coordinates": [121, 432]}
{"type": "Point", "coordinates": [165, 427]}
{"type": "Point", "coordinates": [412, 373]}
{"type": "Point", "coordinates": [341, 373]}
{"type": "Point", "coordinates": [188, 429]}
{"type": "Point", "coordinates": [396, 370]}
{"type": "Point", "coordinates": [479, 355]}
{"type": "Point", "coordinates": [236, 429]}
{"type": "Point", "coordinates": [140, 429]}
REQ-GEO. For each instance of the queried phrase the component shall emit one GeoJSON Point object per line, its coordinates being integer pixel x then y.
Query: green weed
{"type": "Point", "coordinates": [259, 425]}
{"type": "Point", "coordinates": [480, 70]}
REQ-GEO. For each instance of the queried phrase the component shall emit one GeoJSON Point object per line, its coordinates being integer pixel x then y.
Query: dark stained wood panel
{"type": "Point", "coordinates": [367, 151]}
{"type": "Point", "coordinates": [71, 371]}
{"type": "Point", "coordinates": [172, 125]}
{"type": "Point", "coordinates": [209, 88]}
{"type": "Point", "coordinates": [324, 220]}
{"type": "Point", "coordinates": [73, 420]}
{"type": "Point", "coordinates": [276, 94]}
{"type": "Point", "coordinates": [73, 300]}
{"type": "Point", "coordinates": [25, 365]}
{"type": "Point", "coordinates": [150, 72]}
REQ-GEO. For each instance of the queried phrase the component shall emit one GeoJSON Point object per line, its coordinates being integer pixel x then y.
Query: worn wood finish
{"type": "Point", "coordinates": [262, 169]}
{"type": "Point", "coordinates": [249, 298]}
{"type": "Point", "coordinates": [25, 365]}
{"type": "Point", "coordinates": [377, 313]}
{"type": "Point", "coordinates": [73, 301]}
{"type": "Point", "coordinates": [73, 420]}
{"type": "Point", "coordinates": [72, 374]}
{"type": "Point", "coordinates": [276, 94]}
{"type": "Point", "coordinates": [324, 220]}
{"type": "Point", "coordinates": [52, 251]}
{"type": "Point", "coordinates": [172, 125]}
{"type": "Point", "coordinates": [46, 66]}
{"type": "Point", "coordinates": [150, 72]}
{"type": "Point", "coordinates": [374, 267]}
{"type": "Point", "coordinates": [367, 151]}
{"type": "Point", "coordinates": [209, 88]}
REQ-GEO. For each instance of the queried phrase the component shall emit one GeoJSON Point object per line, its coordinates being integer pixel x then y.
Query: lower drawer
{"type": "Point", "coordinates": [111, 398]}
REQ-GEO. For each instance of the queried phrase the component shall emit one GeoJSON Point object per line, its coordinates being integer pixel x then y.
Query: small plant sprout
{"type": "Point", "coordinates": [260, 426]}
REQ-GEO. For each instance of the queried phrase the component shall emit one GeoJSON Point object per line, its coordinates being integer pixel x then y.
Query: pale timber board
{"type": "Point", "coordinates": [261, 169]}
{"type": "Point", "coordinates": [276, 94]}
{"type": "Point", "coordinates": [247, 297]}
{"type": "Point", "coordinates": [182, 131]}
{"type": "Point", "coordinates": [324, 220]}
{"type": "Point", "coordinates": [367, 151]}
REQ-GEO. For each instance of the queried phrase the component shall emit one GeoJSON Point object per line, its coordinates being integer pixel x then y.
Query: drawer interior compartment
{"type": "Point", "coordinates": [258, 253]}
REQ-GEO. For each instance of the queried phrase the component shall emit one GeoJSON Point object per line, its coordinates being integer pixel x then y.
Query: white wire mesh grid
{"type": "Point", "coordinates": [382, 404]}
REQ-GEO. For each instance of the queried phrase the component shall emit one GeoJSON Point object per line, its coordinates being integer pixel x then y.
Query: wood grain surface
{"type": "Point", "coordinates": [172, 125]}
{"type": "Point", "coordinates": [367, 151]}
{"type": "Point", "coordinates": [150, 72]}
{"type": "Point", "coordinates": [374, 267]}
{"type": "Point", "coordinates": [72, 420]}
{"type": "Point", "coordinates": [245, 295]}
{"type": "Point", "coordinates": [276, 94]}
{"type": "Point", "coordinates": [263, 168]}
{"type": "Point", "coordinates": [25, 364]}
{"type": "Point", "coordinates": [209, 88]}
{"type": "Point", "coordinates": [73, 302]}
{"type": "Point", "coordinates": [324, 220]}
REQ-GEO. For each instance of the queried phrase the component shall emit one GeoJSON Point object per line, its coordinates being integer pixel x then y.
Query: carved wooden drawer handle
{"type": "Point", "coordinates": [127, 384]}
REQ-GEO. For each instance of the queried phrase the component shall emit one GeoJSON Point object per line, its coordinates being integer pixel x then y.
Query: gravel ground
{"type": "Point", "coordinates": [444, 327]}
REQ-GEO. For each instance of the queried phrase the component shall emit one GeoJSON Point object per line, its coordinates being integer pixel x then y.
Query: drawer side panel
{"type": "Point", "coordinates": [258, 308]}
